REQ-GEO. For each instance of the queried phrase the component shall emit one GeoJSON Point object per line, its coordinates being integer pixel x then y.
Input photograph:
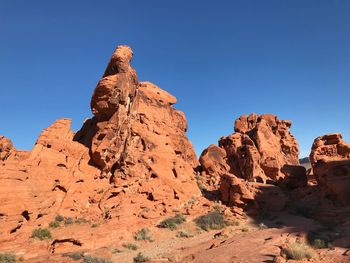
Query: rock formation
{"type": "Point", "coordinates": [6, 147]}
{"type": "Point", "coordinates": [261, 150]}
{"type": "Point", "coordinates": [137, 138]}
{"type": "Point", "coordinates": [131, 161]}
{"type": "Point", "coordinates": [330, 160]}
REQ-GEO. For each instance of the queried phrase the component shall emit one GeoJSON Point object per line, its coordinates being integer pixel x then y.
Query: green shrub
{"type": "Point", "coordinates": [7, 258]}
{"type": "Point", "coordinates": [130, 246]}
{"type": "Point", "coordinates": [59, 218]}
{"type": "Point", "coordinates": [143, 234]}
{"type": "Point", "coordinates": [74, 255]}
{"type": "Point", "coordinates": [94, 259]}
{"type": "Point", "coordinates": [68, 221]}
{"type": "Point", "coordinates": [54, 224]}
{"type": "Point", "coordinates": [140, 258]}
{"type": "Point", "coordinates": [212, 220]}
{"type": "Point", "coordinates": [320, 243]}
{"type": "Point", "coordinates": [172, 222]}
{"type": "Point", "coordinates": [41, 233]}
{"type": "Point", "coordinates": [298, 251]}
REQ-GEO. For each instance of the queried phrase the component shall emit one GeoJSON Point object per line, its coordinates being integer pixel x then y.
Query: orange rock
{"type": "Point", "coordinates": [261, 146]}
{"type": "Point", "coordinates": [330, 160]}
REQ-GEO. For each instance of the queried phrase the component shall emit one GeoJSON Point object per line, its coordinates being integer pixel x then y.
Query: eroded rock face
{"type": "Point", "coordinates": [262, 150]}
{"type": "Point", "coordinates": [137, 138]}
{"type": "Point", "coordinates": [6, 147]}
{"type": "Point", "coordinates": [330, 160]}
{"type": "Point", "coordinates": [131, 164]}
{"type": "Point", "coordinates": [258, 150]}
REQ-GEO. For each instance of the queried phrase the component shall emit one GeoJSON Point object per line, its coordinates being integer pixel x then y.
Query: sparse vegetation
{"type": "Point", "coordinates": [41, 233]}
{"type": "Point", "coordinates": [298, 251]}
{"type": "Point", "coordinates": [245, 229]}
{"type": "Point", "coordinates": [116, 251]}
{"type": "Point", "coordinates": [94, 225]}
{"type": "Point", "coordinates": [59, 218]}
{"type": "Point", "coordinates": [130, 246]}
{"type": "Point", "coordinates": [94, 259]}
{"type": "Point", "coordinates": [320, 243]}
{"type": "Point", "coordinates": [140, 258]}
{"type": "Point", "coordinates": [68, 221]}
{"type": "Point", "coordinates": [54, 224]}
{"type": "Point", "coordinates": [172, 222]}
{"type": "Point", "coordinates": [81, 221]}
{"type": "Point", "coordinates": [183, 234]}
{"type": "Point", "coordinates": [7, 258]}
{"type": "Point", "coordinates": [74, 255]}
{"type": "Point", "coordinates": [212, 220]}
{"type": "Point", "coordinates": [143, 234]}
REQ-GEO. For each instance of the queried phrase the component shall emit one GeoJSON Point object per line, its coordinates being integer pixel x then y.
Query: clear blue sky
{"type": "Point", "coordinates": [221, 59]}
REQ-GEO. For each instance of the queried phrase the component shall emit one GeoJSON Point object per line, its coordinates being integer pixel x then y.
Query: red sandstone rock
{"type": "Point", "coordinates": [130, 163]}
{"type": "Point", "coordinates": [137, 138]}
{"type": "Point", "coordinates": [261, 146]}
{"type": "Point", "coordinates": [6, 147]}
{"type": "Point", "coordinates": [262, 150]}
{"type": "Point", "coordinates": [330, 160]}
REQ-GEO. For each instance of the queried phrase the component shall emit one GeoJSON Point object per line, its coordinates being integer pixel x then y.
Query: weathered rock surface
{"type": "Point", "coordinates": [262, 150]}
{"type": "Point", "coordinates": [6, 147]}
{"type": "Point", "coordinates": [137, 138]}
{"type": "Point", "coordinates": [330, 160]}
{"type": "Point", "coordinates": [258, 150]}
{"type": "Point", "coordinates": [131, 162]}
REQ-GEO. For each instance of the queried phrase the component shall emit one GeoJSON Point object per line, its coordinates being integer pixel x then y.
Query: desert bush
{"type": "Point", "coordinates": [59, 218]}
{"type": "Point", "coordinates": [212, 220]}
{"type": "Point", "coordinates": [183, 233]}
{"type": "Point", "coordinates": [130, 246]}
{"type": "Point", "coordinates": [7, 258]}
{"type": "Point", "coordinates": [172, 222]}
{"type": "Point", "coordinates": [74, 255]}
{"type": "Point", "coordinates": [143, 234]}
{"type": "Point", "coordinates": [140, 258]}
{"type": "Point", "coordinates": [54, 224]}
{"type": "Point", "coordinates": [298, 251]}
{"type": "Point", "coordinates": [319, 243]}
{"type": "Point", "coordinates": [94, 259]}
{"type": "Point", "coordinates": [41, 233]}
{"type": "Point", "coordinates": [68, 221]}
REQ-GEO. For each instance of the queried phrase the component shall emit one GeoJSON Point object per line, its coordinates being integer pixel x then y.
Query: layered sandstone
{"type": "Point", "coordinates": [330, 160]}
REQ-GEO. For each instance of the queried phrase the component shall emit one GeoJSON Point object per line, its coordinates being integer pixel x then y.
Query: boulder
{"type": "Point", "coordinates": [330, 160]}
{"type": "Point", "coordinates": [6, 147]}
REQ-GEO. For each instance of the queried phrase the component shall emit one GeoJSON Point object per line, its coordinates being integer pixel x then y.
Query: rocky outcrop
{"type": "Point", "coordinates": [258, 151]}
{"type": "Point", "coordinates": [130, 163]}
{"type": "Point", "coordinates": [262, 150]}
{"type": "Point", "coordinates": [136, 138]}
{"type": "Point", "coordinates": [6, 147]}
{"type": "Point", "coordinates": [330, 160]}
